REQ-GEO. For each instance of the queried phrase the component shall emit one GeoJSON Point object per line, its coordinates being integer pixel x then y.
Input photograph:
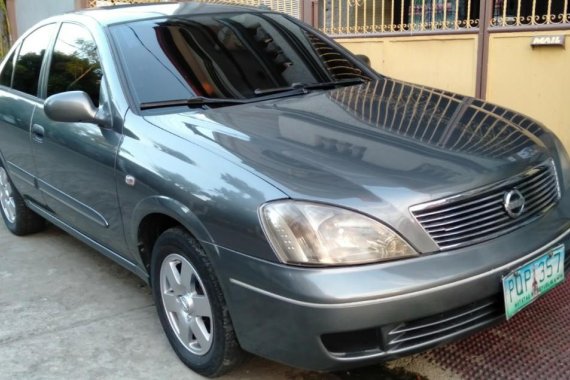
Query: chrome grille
{"type": "Point", "coordinates": [480, 215]}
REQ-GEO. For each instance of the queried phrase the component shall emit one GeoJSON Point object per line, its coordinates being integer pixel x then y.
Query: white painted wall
{"type": "Point", "coordinates": [29, 12]}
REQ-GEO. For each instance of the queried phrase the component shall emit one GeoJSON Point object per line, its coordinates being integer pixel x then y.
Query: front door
{"type": "Point", "coordinates": [76, 161]}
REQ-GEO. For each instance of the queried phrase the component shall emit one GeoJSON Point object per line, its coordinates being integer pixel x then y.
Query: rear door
{"type": "Point", "coordinates": [76, 161]}
{"type": "Point", "coordinates": [19, 95]}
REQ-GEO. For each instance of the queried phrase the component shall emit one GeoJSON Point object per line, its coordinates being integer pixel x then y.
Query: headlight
{"type": "Point", "coordinates": [313, 234]}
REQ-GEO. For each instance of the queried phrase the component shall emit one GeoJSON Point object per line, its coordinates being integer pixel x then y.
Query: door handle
{"type": "Point", "coordinates": [38, 133]}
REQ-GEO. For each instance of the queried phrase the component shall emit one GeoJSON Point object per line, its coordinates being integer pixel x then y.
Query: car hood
{"type": "Point", "coordinates": [378, 147]}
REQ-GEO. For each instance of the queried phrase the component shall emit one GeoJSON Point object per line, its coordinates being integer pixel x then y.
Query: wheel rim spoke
{"type": "Point", "coordinates": [200, 332]}
{"type": "Point", "coordinates": [11, 210]}
{"type": "Point", "coordinates": [186, 303]}
{"type": "Point", "coordinates": [202, 306]}
{"type": "Point", "coordinates": [171, 303]}
{"type": "Point", "coordinates": [173, 278]}
{"type": "Point", "coordinates": [6, 197]}
{"type": "Point", "coordinates": [186, 277]}
{"type": "Point", "coordinates": [184, 329]}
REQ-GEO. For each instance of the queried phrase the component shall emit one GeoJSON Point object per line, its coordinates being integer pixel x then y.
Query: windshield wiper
{"type": "Point", "coordinates": [294, 89]}
{"type": "Point", "coordinates": [298, 88]}
{"type": "Point", "coordinates": [334, 84]}
{"type": "Point", "coordinates": [199, 101]}
{"type": "Point", "coordinates": [303, 88]}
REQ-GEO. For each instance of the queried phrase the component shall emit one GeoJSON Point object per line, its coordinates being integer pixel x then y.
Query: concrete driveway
{"type": "Point", "coordinates": [67, 312]}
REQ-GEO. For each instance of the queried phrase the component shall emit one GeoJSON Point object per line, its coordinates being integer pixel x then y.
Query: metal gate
{"type": "Point", "coordinates": [293, 8]}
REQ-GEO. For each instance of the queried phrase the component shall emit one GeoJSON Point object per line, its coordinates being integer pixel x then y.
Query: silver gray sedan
{"type": "Point", "coordinates": [279, 196]}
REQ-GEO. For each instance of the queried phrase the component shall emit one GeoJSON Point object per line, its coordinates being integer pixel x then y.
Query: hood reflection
{"type": "Point", "coordinates": [441, 119]}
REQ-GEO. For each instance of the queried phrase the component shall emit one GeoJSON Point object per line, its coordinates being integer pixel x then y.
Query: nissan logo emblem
{"type": "Point", "coordinates": [514, 203]}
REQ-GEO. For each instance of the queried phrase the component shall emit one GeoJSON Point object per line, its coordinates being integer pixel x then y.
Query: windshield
{"type": "Point", "coordinates": [225, 56]}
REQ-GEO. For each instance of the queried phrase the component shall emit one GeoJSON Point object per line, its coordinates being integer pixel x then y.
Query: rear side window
{"type": "Point", "coordinates": [75, 63]}
{"type": "Point", "coordinates": [30, 58]}
{"type": "Point", "coordinates": [6, 74]}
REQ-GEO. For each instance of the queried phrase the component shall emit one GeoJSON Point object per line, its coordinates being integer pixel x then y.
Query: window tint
{"type": "Point", "coordinates": [6, 75]}
{"type": "Point", "coordinates": [75, 63]}
{"type": "Point", "coordinates": [225, 56]}
{"type": "Point", "coordinates": [29, 62]}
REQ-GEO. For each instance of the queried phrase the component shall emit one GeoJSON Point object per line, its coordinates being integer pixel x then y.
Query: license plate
{"type": "Point", "coordinates": [528, 282]}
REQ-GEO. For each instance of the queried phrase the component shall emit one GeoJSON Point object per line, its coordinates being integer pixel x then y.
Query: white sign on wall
{"type": "Point", "coordinates": [557, 40]}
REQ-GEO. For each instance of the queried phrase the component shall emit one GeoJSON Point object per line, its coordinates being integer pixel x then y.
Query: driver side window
{"type": "Point", "coordinates": [75, 64]}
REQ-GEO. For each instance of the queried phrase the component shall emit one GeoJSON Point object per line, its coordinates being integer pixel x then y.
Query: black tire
{"type": "Point", "coordinates": [23, 221]}
{"type": "Point", "coordinates": [224, 352]}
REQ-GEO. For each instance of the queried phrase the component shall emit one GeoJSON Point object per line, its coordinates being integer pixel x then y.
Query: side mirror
{"type": "Point", "coordinates": [363, 58]}
{"type": "Point", "coordinates": [74, 107]}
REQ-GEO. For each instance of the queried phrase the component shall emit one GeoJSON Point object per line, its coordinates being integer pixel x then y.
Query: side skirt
{"type": "Point", "coordinates": [130, 266]}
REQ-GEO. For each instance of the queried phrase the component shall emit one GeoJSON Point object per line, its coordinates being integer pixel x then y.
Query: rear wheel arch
{"type": "Point", "coordinates": [18, 217]}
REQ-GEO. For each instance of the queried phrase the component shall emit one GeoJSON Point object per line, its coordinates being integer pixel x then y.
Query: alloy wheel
{"type": "Point", "coordinates": [186, 304]}
{"type": "Point", "coordinates": [7, 197]}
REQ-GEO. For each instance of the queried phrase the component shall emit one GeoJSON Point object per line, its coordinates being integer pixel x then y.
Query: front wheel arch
{"type": "Point", "coordinates": [154, 215]}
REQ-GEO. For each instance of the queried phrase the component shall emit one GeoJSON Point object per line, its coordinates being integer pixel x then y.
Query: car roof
{"type": "Point", "coordinates": [126, 13]}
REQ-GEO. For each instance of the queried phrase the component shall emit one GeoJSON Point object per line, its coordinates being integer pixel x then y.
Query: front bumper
{"type": "Point", "coordinates": [335, 318]}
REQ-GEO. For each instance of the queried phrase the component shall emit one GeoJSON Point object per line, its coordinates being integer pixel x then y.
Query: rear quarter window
{"type": "Point", "coordinates": [6, 74]}
{"type": "Point", "coordinates": [30, 58]}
